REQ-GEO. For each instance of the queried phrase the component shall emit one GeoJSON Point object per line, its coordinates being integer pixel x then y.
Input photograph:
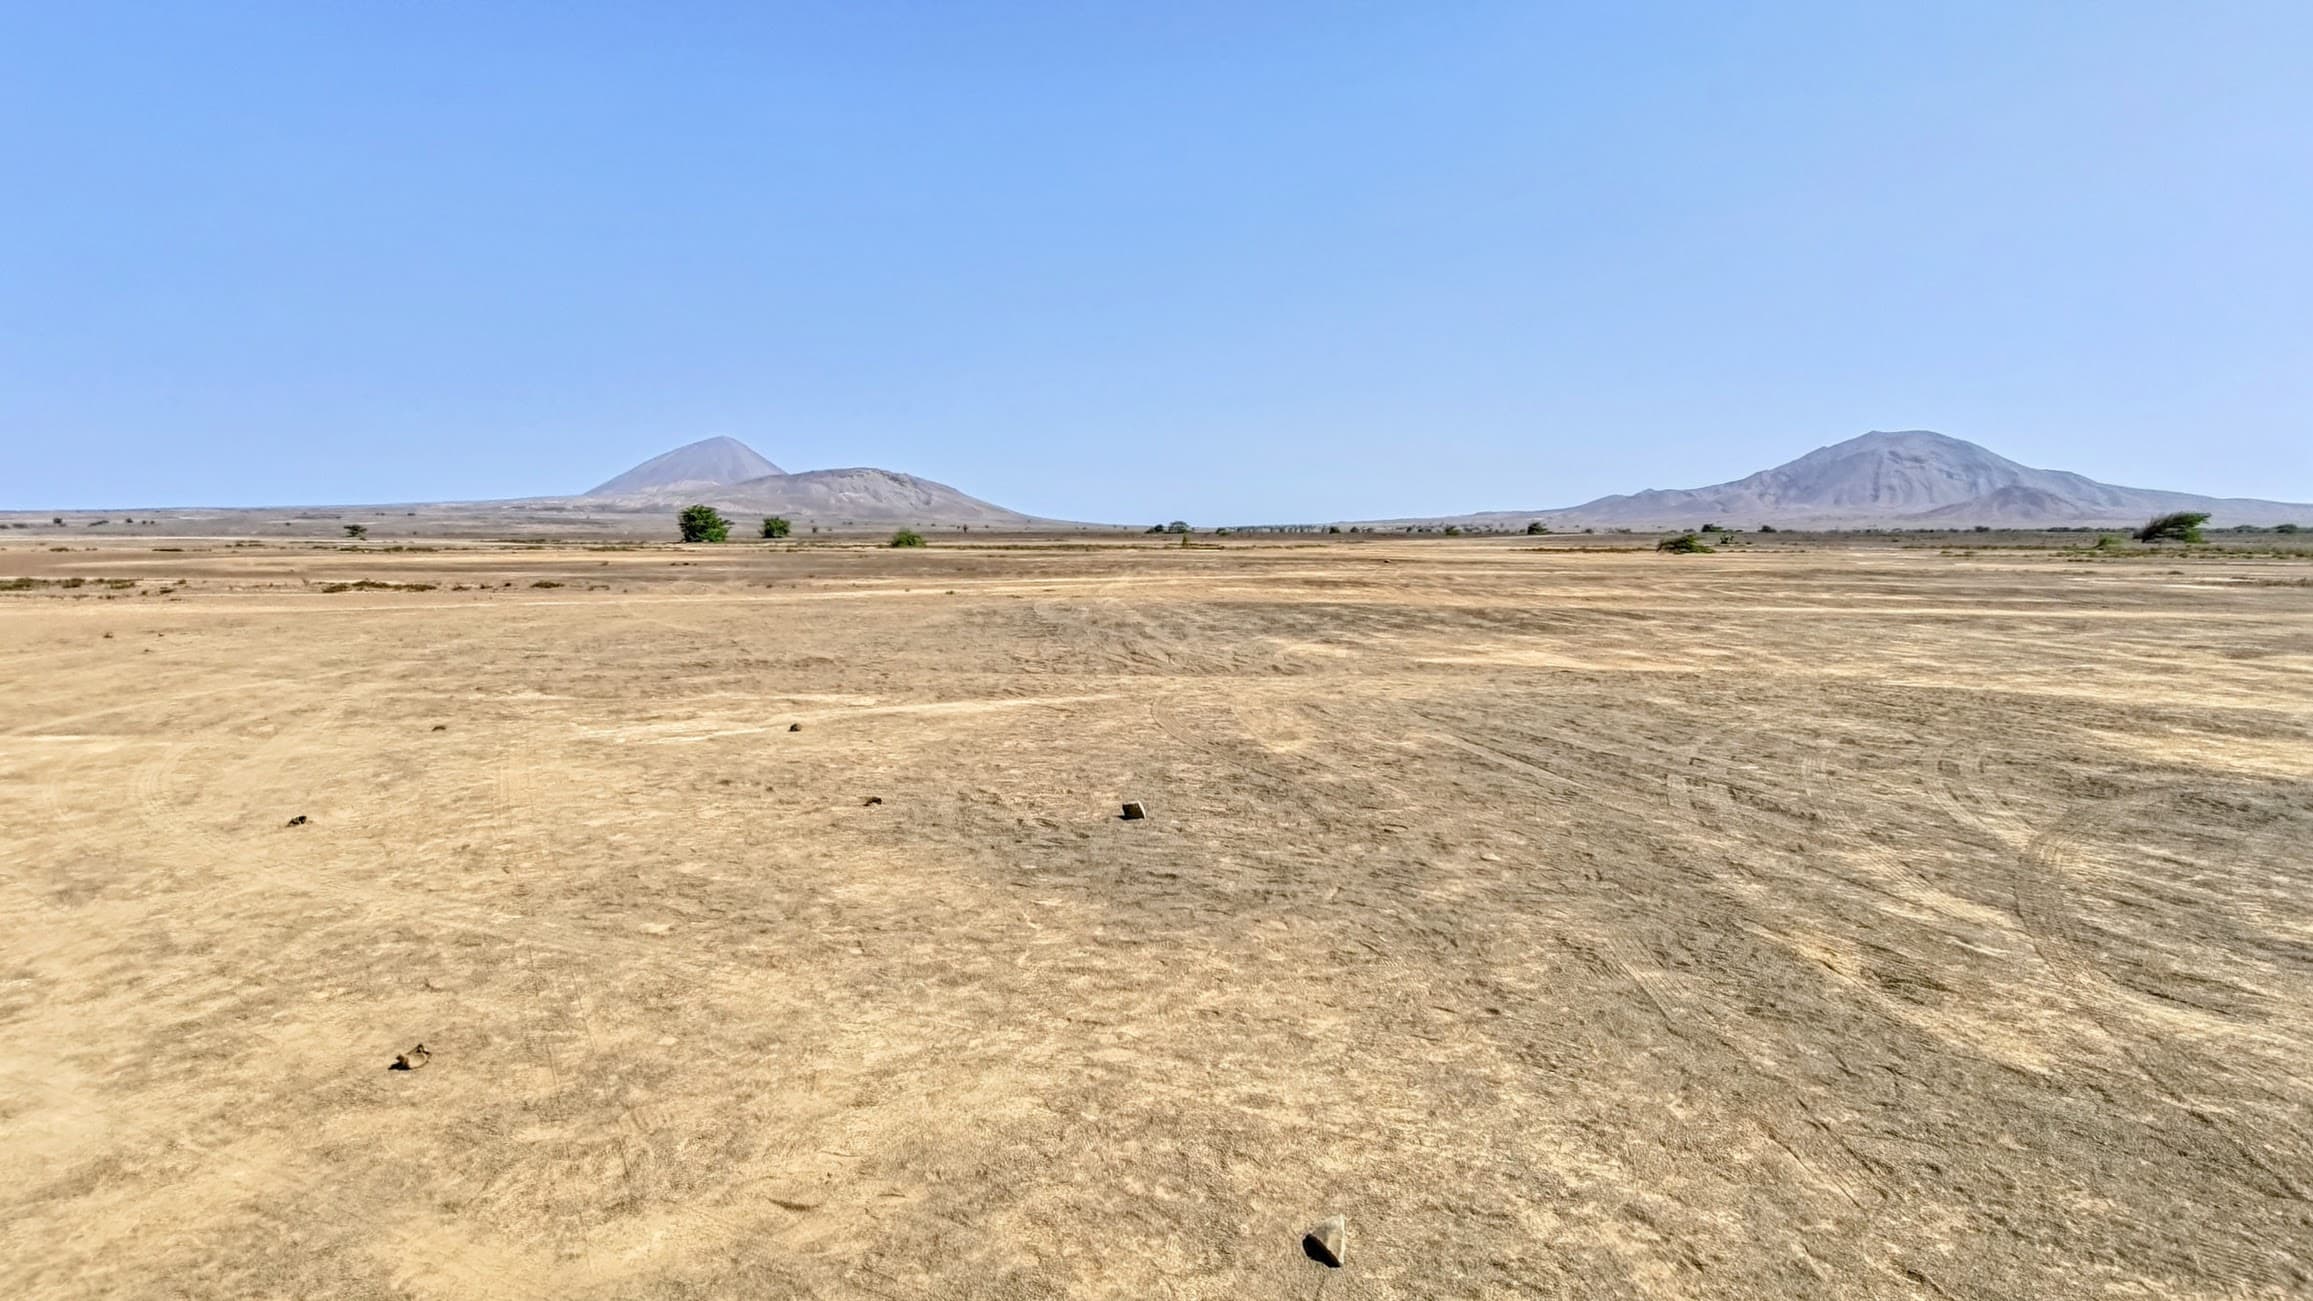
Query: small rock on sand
{"type": "Point", "coordinates": [297, 821]}
{"type": "Point", "coordinates": [1328, 1243]}
{"type": "Point", "coordinates": [411, 1060]}
{"type": "Point", "coordinates": [1134, 810]}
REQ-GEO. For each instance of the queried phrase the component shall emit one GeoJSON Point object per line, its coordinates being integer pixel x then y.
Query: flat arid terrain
{"type": "Point", "coordinates": [1840, 920]}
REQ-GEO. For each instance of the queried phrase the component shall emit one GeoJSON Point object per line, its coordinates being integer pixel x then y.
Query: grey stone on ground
{"type": "Point", "coordinates": [1328, 1243]}
{"type": "Point", "coordinates": [411, 1060]}
{"type": "Point", "coordinates": [1134, 811]}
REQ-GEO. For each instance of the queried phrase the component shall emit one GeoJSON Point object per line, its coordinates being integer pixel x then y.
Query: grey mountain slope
{"type": "Point", "coordinates": [1910, 478]}
{"type": "Point", "coordinates": [708, 461]}
{"type": "Point", "coordinates": [857, 495]}
{"type": "Point", "coordinates": [720, 472]}
{"type": "Point", "coordinates": [731, 476]}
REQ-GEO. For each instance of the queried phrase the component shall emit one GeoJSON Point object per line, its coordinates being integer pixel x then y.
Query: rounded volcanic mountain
{"type": "Point", "coordinates": [729, 475]}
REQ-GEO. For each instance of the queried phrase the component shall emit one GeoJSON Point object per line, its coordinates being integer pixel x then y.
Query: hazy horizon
{"type": "Point", "coordinates": [1291, 264]}
{"type": "Point", "coordinates": [1513, 508]}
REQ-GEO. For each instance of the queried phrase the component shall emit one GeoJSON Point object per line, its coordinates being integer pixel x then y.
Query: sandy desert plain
{"type": "Point", "coordinates": [1839, 919]}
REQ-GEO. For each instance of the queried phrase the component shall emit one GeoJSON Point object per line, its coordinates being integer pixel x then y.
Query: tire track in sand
{"type": "Point", "coordinates": [1758, 1098]}
{"type": "Point", "coordinates": [2044, 868]}
{"type": "Point", "coordinates": [2043, 863]}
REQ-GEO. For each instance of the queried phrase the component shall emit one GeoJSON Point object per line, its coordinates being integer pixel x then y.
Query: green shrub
{"type": "Point", "coordinates": [907, 538]}
{"type": "Point", "coordinates": [1685, 544]}
{"type": "Point", "coordinates": [776, 527]}
{"type": "Point", "coordinates": [1537, 529]}
{"type": "Point", "coordinates": [357, 531]}
{"type": "Point", "coordinates": [2176, 526]}
{"type": "Point", "coordinates": [703, 524]}
{"type": "Point", "coordinates": [2288, 528]}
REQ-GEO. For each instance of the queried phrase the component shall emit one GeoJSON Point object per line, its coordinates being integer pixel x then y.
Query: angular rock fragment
{"type": "Point", "coordinates": [1328, 1243]}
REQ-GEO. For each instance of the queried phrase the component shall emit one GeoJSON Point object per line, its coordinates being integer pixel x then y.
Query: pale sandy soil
{"type": "Point", "coordinates": [1842, 923]}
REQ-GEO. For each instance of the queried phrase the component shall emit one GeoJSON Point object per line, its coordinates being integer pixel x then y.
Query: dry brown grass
{"type": "Point", "coordinates": [1824, 923]}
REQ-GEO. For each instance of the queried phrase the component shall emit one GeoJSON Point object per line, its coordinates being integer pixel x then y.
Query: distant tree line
{"type": "Point", "coordinates": [702, 523]}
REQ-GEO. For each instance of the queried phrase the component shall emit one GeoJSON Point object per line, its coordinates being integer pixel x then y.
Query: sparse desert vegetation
{"type": "Point", "coordinates": [703, 524]}
{"type": "Point", "coordinates": [374, 585]}
{"type": "Point", "coordinates": [2176, 526]}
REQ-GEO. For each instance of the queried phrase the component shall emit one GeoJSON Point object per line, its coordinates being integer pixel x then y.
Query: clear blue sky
{"type": "Point", "coordinates": [1228, 261]}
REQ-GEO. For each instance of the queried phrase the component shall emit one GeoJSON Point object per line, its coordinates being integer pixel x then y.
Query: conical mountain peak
{"type": "Point", "coordinates": [709, 461]}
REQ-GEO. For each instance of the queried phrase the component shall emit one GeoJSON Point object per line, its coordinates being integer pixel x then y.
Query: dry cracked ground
{"type": "Point", "coordinates": [1826, 922]}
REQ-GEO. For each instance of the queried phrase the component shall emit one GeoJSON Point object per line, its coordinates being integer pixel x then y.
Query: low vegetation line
{"type": "Point", "coordinates": [32, 584]}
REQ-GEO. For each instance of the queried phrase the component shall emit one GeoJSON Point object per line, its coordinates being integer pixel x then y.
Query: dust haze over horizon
{"type": "Point", "coordinates": [1295, 263]}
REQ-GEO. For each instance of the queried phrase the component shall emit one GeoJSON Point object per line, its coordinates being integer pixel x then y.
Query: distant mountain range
{"type": "Point", "coordinates": [729, 475]}
{"type": "Point", "coordinates": [1911, 478]}
{"type": "Point", "coordinates": [1906, 479]}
